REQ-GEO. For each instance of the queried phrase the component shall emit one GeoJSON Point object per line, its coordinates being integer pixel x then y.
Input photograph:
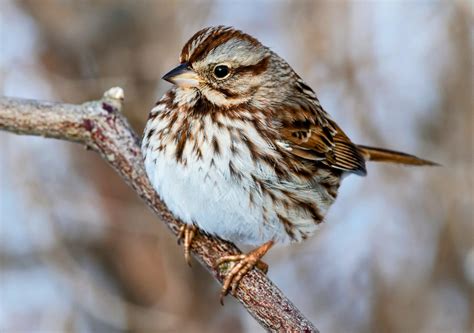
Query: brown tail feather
{"type": "Point", "coordinates": [385, 155]}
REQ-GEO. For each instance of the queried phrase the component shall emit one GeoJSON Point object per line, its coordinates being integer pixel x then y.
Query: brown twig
{"type": "Point", "coordinates": [101, 126]}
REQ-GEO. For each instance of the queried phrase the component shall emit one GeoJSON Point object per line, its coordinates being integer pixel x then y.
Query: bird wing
{"type": "Point", "coordinates": [309, 133]}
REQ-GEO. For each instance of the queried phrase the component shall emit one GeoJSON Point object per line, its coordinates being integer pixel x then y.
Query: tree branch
{"type": "Point", "coordinates": [101, 126]}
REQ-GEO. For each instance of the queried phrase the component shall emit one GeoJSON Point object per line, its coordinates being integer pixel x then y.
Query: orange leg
{"type": "Point", "coordinates": [186, 235]}
{"type": "Point", "coordinates": [245, 262]}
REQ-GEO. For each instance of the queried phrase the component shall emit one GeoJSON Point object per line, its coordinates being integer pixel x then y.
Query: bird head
{"type": "Point", "coordinates": [228, 67]}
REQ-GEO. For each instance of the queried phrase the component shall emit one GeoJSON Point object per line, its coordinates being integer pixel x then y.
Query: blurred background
{"type": "Point", "coordinates": [79, 252]}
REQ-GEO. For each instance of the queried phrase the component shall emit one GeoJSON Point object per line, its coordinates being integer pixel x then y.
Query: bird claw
{"type": "Point", "coordinates": [185, 236]}
{"type": "Point", "coordinates": [244, 264]}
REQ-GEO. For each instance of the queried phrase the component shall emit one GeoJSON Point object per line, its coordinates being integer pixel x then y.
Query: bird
{"type": "Point", "coordinates": [240, 148]}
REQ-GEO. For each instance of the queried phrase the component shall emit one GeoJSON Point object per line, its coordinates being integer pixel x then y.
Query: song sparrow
{"type": "Point", "coordinates": [241, 148]}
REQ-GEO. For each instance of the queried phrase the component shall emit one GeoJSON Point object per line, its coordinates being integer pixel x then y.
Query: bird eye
{"type": "Point", "coordinates": [221, 71]}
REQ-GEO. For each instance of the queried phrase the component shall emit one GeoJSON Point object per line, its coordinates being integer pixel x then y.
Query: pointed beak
{"type": "Point", "coordinates": [182, 76]}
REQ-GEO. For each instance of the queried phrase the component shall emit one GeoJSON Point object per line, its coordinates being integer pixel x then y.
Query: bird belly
{"type": "Point", "coordinates": [215, 182]}
{"type": "Point", "coordinates": [210, 197]}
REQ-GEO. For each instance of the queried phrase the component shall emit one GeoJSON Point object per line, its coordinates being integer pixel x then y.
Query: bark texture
{"type": "Point", "coordinates": [100, 126]}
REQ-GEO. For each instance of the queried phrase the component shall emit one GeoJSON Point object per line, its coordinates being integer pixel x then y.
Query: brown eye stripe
{"type": "Point", "coordinates": [255, 69]}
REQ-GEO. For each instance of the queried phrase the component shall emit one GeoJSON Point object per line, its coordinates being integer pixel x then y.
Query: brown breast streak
{"type": "Point", "coordinates": [288, 165]}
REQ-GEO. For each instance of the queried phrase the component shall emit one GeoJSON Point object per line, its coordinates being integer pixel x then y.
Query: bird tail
{"type": "Point", "coordinates": [390, 156]}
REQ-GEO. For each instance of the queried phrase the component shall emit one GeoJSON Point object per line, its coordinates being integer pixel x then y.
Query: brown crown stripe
{"type": "Point", "coordinates": [219, 36]}
{"type": "Point", "coordinates": [187, 46]}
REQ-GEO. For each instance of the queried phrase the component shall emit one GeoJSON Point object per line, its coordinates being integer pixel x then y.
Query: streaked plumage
{"type": "Point", "coordinates": [251, 157]}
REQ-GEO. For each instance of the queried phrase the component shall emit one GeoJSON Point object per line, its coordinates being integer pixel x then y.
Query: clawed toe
{"type": "Point", "coordinates": [185, 236]}
{"type": "Point", "coordinates": [244, 263]}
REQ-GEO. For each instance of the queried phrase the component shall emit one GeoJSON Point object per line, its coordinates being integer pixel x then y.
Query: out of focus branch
{"type": "Point", "coordinates": [100, 126]}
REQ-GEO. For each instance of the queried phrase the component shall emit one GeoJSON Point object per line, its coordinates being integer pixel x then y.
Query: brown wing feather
{"type": "Point", "coordinates": [310, 134]}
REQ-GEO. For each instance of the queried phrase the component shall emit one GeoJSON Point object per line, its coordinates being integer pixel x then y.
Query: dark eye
{"type": "Point", "coordinates": [221, 71]}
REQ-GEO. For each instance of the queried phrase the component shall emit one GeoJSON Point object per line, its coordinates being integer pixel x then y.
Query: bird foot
{"type": "Point", "coordinates": [185, 236]}
{"type": "Point", "coordinates": [243, 264]}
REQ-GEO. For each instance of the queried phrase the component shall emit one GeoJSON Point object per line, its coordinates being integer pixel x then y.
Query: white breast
{"type": "Point", "coordinates": [217, 191]}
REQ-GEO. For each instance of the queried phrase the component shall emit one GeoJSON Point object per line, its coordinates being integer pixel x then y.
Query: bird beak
{"type": "Point", "coordinates": [182, 76]}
